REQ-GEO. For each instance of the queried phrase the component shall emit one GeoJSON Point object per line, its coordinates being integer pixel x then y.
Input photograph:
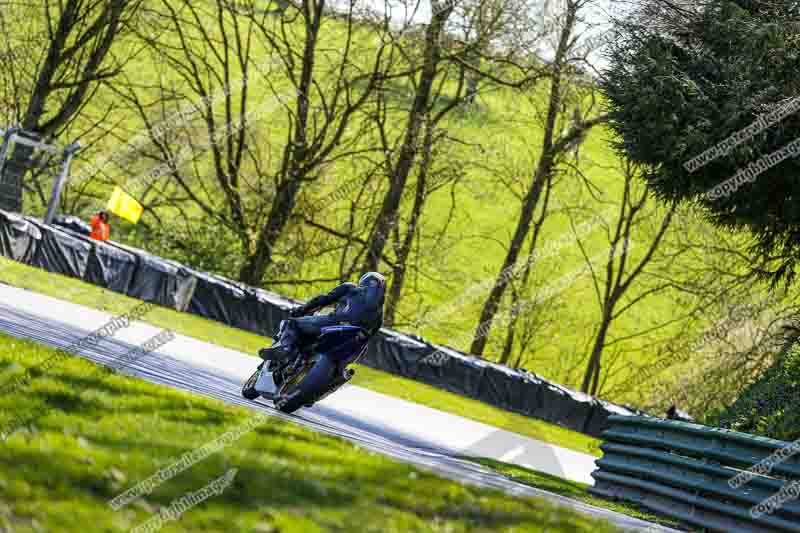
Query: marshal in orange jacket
{"type": "Point", "coordinates": [100, 227]}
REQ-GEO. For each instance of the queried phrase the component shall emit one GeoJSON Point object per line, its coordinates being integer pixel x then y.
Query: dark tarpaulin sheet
{"type": "Point", "coordinates": [505, 389]}
{"type": "Point", "coordinates": [19, 238]}
{"type": "Point", "coordinates": [473, 374]}
{"type": "Point", "coordinates": [267, 315]}
{"type": "Point", "coordinates": [156, 279]}
{"type": "Point", "coordinates": [111, 267]}
{"type": "Point", "coordinates": [60, 252]}
{"type": "Point", "coordinates": [255, 309]}
{"type": "Point", "coordinates": [458, 374]}
{"type": "Point", "coordinates": [109, 264]}
{"type": "Point", "coordinates": [399, 354]}
{"type": "Point", "coordinates": [531, 400]}
{"type": "Point", "coordinates": [220, 300]}
{"type": "Point", "coordinates": [461, 375]}
{"type": "Point", "coordinates": [513, 390]}
{"type": "Point", "coordinates": [571, 408]}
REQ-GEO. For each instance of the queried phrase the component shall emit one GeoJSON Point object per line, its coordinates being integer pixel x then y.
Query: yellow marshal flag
{"type": "Point", "coordinates": [124, 205]}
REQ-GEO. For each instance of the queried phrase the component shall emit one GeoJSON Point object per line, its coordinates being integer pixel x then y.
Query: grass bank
{"type": "Point", "coordinates": [103, 433]}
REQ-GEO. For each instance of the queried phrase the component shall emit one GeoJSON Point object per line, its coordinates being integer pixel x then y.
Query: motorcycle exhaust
{"type": "Point", "coordinates": [343, 377]}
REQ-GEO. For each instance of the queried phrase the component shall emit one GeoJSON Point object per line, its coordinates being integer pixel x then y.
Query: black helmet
{"type": "Point", "coordinates": [373, 288]}
{"type": "Point", "coordinates": [372, 279]}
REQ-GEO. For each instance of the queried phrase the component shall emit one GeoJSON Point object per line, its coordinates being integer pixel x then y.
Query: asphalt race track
{"type": "Point", "coordinates": [202, 368]}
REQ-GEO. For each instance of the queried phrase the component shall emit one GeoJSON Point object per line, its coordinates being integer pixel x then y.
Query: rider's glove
{"type": "Point", "coordinates": [297, 311]}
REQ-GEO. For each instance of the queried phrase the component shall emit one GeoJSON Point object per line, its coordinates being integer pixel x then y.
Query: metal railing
{"type": "Point", "coordinates": [11, 182]}
{"type": "Point", "coordinates": [689, 472]}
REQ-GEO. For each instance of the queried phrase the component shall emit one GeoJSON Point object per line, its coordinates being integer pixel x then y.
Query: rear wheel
{"type": "Point", "coordinates": [306, 386]}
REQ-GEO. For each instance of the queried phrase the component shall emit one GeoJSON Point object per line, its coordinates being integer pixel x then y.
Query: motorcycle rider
{"type": "Point", "coordinates": [358, 305]}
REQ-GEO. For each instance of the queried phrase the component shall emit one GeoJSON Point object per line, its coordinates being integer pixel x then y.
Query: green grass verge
{"type": "Point", "coordinates": [570, 489]}
{"type": "Point", "coordinates": [102, 433]}
{"type": "Point", "coordinates": [77, 291]}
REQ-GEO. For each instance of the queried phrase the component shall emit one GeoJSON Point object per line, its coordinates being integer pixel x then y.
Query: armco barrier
{"type": "Point", "coordinates": [67, 250]}
{"type": "Point", "coordinates": [682, 470]}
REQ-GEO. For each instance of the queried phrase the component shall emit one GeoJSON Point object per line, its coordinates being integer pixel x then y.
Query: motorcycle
{"type": "Point", "coordinates": [316, 370]}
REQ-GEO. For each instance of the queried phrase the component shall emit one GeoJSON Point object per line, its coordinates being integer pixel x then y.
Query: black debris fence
{"type": "Point", "coordinates": [66, 249]}
{"type": "Point", "coordinates": [61, 251]}
{"type": "Point", "coordinates": [514, 390]}
{"type": "Point", "coordinates": [19, 239]}
{"type": "Point", "coordinates": [156, 279]}
{"type": "Point", "coordinates": [111, 267]}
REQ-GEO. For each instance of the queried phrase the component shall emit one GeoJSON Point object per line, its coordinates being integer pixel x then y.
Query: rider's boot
{"type": "Point", "coordinates": [284, 348]}
{"type": "Point", "coordinates": [276, 352]}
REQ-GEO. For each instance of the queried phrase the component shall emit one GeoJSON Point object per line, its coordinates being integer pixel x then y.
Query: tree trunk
{"type": "Point", "coordinates": [516, 298]}
{"type": "Point", "coordinates": [253, 269]}
{"type": "Point", "coordinates": [16, 168]}
{"type": "Point", "coordinates": [590, 379]}
{"type": "Point", "coordinates": [387, 217]}
{"type": "Point", "coordinates": [11, 180]}
{"type": "Point", "coordinates": [399, 271]}
{"type": "Point", "coordinates": [472, 77]}
{"type": "Point", "coordinates": [543, 170]}
{"type": "Point", "coordinates": [616, 284]}
{"type": "Point", "coordinates": [492, 303]}
{"type": "Point", "coordinates": [508, 346]}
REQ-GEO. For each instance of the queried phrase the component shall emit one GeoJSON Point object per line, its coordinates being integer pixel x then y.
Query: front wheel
{"type": "Point", "coordinates": [307, 386]}
{"type": "Point", "coordinates": [249, 391]}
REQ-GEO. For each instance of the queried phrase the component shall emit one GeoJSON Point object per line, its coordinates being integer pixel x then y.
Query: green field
{"type": "Point", "coordinates": [102, 434]}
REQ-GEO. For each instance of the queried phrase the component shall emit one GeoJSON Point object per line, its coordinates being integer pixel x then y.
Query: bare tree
{"type": "Point", "coordinates": [520, 286]}
{"type": "Point", "coordinates": [621, 271]}
{"type": "Point", "coordinates": [230, 76]}
{"type": "Point", "coordinates": [729, 325]}
{"type": "Point", "coordinates": [53, 85]}
{"type": "Point", "coordinates": [430, 163]}
{"type": "Point", "coordinates": [317, 134]}
{"type": "Point", "coordinates": [560, 73]}
{"type": "Point", "coordinates": [403, 245]}
{"type": "Point", "coordinates": [436, 170]}
{"type": "Point", "coordinates": [407, 154]}
{"type": "Point", "coordinates": [471, 41]}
